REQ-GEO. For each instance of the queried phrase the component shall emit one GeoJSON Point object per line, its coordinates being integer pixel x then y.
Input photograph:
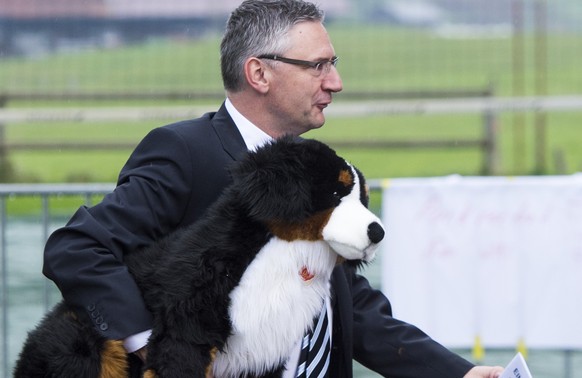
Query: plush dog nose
{"type": "Point", "coordinates": [375, 232]}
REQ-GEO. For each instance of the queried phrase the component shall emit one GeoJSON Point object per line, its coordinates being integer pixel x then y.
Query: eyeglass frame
{"type": "Point", "coordinates": [305, 63]}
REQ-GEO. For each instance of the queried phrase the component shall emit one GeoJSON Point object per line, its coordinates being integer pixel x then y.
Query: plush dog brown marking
{"type": "Point", "coordinates": [346, 177]}
{"type": "Point", "coordinates": [113, 360]}
{"type": "Point", "coordinates": [307, 230]}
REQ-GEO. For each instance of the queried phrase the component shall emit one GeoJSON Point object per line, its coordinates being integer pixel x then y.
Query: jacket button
{"type": "Point", "coordinates": [103, 326]}
{"type": "Point", "coordinates": [99, 320]}
{"type": "Point", "coordinates": [91, 307]}
{"type": "Point", "coordinates": [95, 314]}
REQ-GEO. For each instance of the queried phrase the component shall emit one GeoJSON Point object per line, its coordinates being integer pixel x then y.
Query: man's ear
{"type": "Point", "coordinates": [257, 74]}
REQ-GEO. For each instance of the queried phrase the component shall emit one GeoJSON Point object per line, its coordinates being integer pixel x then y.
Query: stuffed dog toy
{"type": "Point", "coordinates": [232, 294]}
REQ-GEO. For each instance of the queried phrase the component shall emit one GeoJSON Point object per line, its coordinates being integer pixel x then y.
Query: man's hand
{"type": "Point", "coordinates": [484, 372]}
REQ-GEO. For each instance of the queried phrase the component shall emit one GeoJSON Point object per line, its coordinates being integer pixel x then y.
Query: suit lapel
{"type": "Point", "coordinates": [230, 138]}
{"type": "Point", "coordinates": [342, 305]}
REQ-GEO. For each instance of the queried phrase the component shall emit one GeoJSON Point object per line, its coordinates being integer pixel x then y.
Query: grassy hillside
{"type": "Point", "coordinates": [372, 58]}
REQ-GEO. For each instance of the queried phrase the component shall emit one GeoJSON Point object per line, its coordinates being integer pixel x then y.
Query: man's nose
{"type": "Point", "coordinates": [332, 81]}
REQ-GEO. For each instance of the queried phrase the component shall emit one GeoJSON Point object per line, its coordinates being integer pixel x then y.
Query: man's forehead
{"type": "Point", "coordinates": [310, 38]}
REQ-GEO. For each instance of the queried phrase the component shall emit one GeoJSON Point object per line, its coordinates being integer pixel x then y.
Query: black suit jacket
{"type": "Point", "coordinates": [170, 179]}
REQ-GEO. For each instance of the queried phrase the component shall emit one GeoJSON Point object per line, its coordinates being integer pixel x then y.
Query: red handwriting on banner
{"type": "Point", "coordinates": [478, 211]}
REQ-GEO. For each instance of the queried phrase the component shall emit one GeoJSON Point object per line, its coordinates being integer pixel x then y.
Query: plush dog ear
{"type": "Point", "coordinates": [364, 189]}
{"type": "Point", "coordinates": [274, 182]}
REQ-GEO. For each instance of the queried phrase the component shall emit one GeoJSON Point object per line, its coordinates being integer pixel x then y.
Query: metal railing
{"type": "Point", "coordinates": [43, 192]}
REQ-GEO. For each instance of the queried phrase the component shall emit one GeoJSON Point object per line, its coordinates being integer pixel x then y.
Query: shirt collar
{"type": "Point", "coordinates": [252, 135]}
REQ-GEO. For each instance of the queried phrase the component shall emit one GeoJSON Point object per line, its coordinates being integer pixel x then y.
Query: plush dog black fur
{"type": "Point", "coordinates": [233, 293]}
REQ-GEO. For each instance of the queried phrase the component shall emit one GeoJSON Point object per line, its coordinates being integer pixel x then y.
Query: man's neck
{"type": "Point", "coordinates": [253, 136]}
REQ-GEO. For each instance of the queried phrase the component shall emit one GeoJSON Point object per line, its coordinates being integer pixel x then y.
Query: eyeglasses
{"type": "Point", "coordinates": [320, 67]}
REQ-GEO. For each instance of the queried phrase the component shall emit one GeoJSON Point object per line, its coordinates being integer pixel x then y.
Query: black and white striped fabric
{"type": "Point", "coordinates": [315, 349]}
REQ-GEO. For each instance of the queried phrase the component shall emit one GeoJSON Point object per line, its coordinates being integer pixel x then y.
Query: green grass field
{"type": "Point", "coordinates": [373, 58]}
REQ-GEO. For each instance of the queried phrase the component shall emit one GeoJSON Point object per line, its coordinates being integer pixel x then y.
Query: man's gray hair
{"type": "Point", "coordinates": [259, 27]}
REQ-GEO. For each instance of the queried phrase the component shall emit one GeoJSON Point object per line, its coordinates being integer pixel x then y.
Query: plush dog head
{"type": "Point", "coordinates": [303, 191]}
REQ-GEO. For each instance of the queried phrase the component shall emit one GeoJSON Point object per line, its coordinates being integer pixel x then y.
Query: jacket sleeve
{"type": "Point", "coordinates": [85, 257]}
{"type": "Point", "coordinates": [392, 347]}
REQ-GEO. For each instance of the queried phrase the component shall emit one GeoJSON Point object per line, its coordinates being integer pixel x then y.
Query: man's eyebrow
{"type": "Point", "coordinates": [324, 58]}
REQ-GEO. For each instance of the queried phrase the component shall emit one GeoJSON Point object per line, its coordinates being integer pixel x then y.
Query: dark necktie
{"type": "Point", "coordinates": [314, 356]}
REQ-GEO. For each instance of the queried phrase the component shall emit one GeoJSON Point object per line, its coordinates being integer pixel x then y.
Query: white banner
{"type": "Point", "coordinates": [496, 258]}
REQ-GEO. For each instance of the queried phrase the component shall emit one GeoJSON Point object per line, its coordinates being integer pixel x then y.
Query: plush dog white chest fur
{"type": "Point", "coordinates": [274, 305]}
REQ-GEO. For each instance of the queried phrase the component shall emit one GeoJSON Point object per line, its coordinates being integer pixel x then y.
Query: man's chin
{"type": "Point", "coordinates": [318, 125]}
{"type": "Point", "coordinates": [318, 121]}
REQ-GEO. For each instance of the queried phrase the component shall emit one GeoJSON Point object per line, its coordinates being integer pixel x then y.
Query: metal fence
{"type": "Point", "coordinates": [43, 192]}
{"type": "Point", "coordinates": [552, 364]}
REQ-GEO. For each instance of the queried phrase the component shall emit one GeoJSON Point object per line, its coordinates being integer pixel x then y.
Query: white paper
{"type": "Point", "coordinates": [517, 368]}
{"type": "Point", "coordinates": [481, 244]}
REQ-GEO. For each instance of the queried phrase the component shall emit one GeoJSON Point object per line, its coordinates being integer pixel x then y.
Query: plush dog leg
{"type": "Point", "coordinates": [176, 359]}
{"type": "Point", "coordinates": [113, 360]}
{"type": "Point", "coordinates": [62, 347]}
{"type": "Point", "coordinates": [209, 373]}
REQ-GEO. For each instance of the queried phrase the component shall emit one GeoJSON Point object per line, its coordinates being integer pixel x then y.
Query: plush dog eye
{"type": "Point", "coordinates": [337, 197]}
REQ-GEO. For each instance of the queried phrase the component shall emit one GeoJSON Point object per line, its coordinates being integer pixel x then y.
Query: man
{"type": "Point", "coordinates": [278, 68]}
